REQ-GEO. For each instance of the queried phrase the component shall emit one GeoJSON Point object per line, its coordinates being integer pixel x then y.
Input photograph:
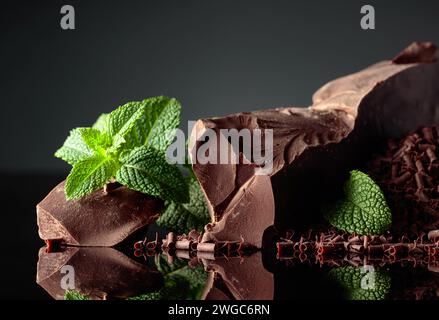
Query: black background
{"type": "Point", "coordinates": [216, 57]}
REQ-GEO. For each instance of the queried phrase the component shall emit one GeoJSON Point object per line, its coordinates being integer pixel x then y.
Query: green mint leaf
{"type": "Point", "coordinates": [363, 210]}
{"type": "Point", "coordinates": [183, 217]}
{"type": "Point", "coordinates": [123, 119]}
{"type": "Point", "coordinates": [74, 295]}
{"type": "Point", "coordinates": [118, 143]}
{"type": "Point", "coordinates": [157, 127]}
{"type": "Point", "coordinates": [145, 169]}
{"type": "Point", "coordinates": [101, 123]}
{"type": "Point", "coordinates": [362, 283]}
{"type": "Point", "coordinates": [95, 153]}
{"type": "Point", "coordinates": [74, 148]}
{"type": "Point", "coordinates": [89, 175]}
{"type": "Point", "coordinates": [95, 139]}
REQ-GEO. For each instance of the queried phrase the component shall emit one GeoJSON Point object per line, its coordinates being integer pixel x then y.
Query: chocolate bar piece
{"type": "Point", "coordinates": [98, 273]}
{"type": "Point", "coordinates": [314, 147]}
{"type": "Point", "coordinates": [99, 219]}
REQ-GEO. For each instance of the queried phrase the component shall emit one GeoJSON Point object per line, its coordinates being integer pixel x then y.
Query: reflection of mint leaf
{"type": "Point", "coordinates": [89, 175]}
{"type": "Point", "coordinates": [183, 217]}
{"type": "Point", "coordinates": [181, 282]}
{"type": "Point", "coordinates": [156, 127]}
{"type": "Point", "coordinates": [362, 283]}
{"type": "Point", "coordinates": [145, 169]}
{"type": "Point", "coordinates": [74, 295]}
{"type": "Point", "coordinates": [123, 119]}
{"type": "Point", "coordinates": [74, 148]}
{"type": "Point", "coordinates": [102, 123]}
{"type": "Point", "coordinates": [184, 284]}
{"type": "Point", "coordinates": [166, 268]}
{"type": "Point", "coordinates": [363, 210]}
{"type": "Point", "coordinates": [148, 296]}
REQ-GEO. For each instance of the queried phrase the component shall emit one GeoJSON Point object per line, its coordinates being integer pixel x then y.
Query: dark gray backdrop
{"type": "Point", "coordinates": [216, 57]}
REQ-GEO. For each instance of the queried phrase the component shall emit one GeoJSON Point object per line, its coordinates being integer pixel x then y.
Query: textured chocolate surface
{"type": "Point", "coordinates": [99, 219]}
{"type": "Point", "coordinates": [417, 52]}
{"type": "Point", "coordinates": [99, 273]}
{"type": "Point", "coordinates": [314, 147]}
{"type": "Point", "coordinates": [408, 173]}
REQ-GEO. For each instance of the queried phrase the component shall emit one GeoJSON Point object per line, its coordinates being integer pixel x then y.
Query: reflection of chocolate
{"type": "Point", "coordinates": [99, 273]}
{"type": "Point", "coordinates": [99, 219]}
{"type": "Point", "coordinates": [314, 147]}
{"type": "Point", "coordinates": [238, 278]}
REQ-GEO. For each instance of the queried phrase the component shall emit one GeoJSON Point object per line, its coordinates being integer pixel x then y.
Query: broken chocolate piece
{"type": "Point", "coordinates": [99, 219]}
{"type": "Point", "coordinates": [99, 273]}
{"type": "Point", "coordinates": [314, 147]}
{"type": "Point", "coordinates": [417, 52]}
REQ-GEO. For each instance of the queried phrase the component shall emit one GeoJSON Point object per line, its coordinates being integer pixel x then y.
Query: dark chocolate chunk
{"type": "Point", "coordinates": [314, 147]}
{"type": "Point", "coordinates": [98, 273]}
{"type": "Point", "coordinates": [417, 52]}
{"type": "Point", "coordinates": [99, 219]}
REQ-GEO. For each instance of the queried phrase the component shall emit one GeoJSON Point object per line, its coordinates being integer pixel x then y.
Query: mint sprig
{"type": "Point", "coordinates": [123, 119]}
{"type": "Point", "coordinates": [101, 123]}
{"type": "Point", "coordinates": [363, 209]}
{"type": "Point", "coordinates": [183, 217]}
{"type": "Point", "coordinates": [129, 145]}
{"type": "Point", "coordinates": [74, 148]}
{"type": "Point", "coordinates": [89, 175]}
{"type": "Point", "coordinates": [157, 126]}
{"type": "Point", "coordinates": [95, 139]}
{"type": "Point", "coordinates": [145, 169]}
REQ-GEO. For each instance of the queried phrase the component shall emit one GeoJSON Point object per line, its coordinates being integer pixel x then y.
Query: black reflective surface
{"type": "Point", "coordinates": [30, 273]}
{"type": "Point", "coordinates": [105, 273]}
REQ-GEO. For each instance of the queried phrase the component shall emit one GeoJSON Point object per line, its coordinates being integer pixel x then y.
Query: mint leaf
{"type": "Point", "coordinates": [96, 153]}
{"type": "Point", "coordinates": [116, 148]}
{"type": "Point", "coordinates": [123, 119]}
{"type": "Point", "coordinates": [101, 123]}
{"type": "Point", "coordinates": [74, 295]}
{"type": "Point", "coordinates": [145, 169]}
{"type": "Point", "coordinates": [363, 210]}
{"type": "Point", "coordinates": [95, 139]}
{"type": "Point", "coordinates": [74, 148]}
{"type": "Point", "coordinates": [89, 175]}
{"type": "Point", "coordinates": [157, 126]}
{"type": "Point", "coordinates": [362, 283]}
{"type": "Point", "coordinates": [183, 217]}
{"type": "Point", "coordinates": [181, 282]}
